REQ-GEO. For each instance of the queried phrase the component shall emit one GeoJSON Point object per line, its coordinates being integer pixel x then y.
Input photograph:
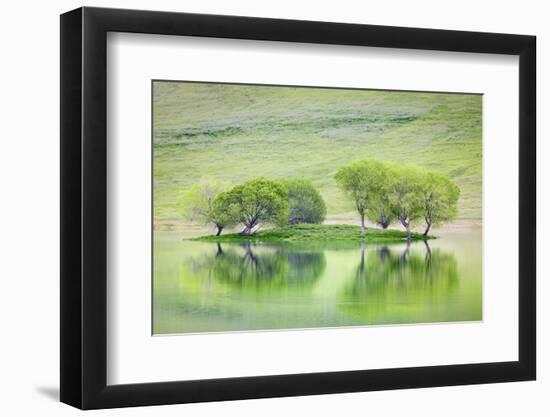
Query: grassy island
{"type": "Point", "coordinates": [317, 232]}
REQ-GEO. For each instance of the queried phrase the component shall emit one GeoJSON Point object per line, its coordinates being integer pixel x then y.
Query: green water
{"type": "Point", "coordinates": [209, 287]}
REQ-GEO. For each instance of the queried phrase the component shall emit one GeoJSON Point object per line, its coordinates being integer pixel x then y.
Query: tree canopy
{"type": "Point", "coordinates": [406, 195]}
{"type": "Point", "coordinates": [366, 182]}
{"type": "Point", "coordinates": [383, 192]}
{"type": "Point", "coordinates": [305, 204]}
{"type": "Point", "coordinates": [440, 199]}
{"type": "Point", "coordinates": [197, 204]}
{"type": "Point", "coordinates": [256, 201]}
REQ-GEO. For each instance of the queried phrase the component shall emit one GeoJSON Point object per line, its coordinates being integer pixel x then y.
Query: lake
{"type": "Point", "coordinates": [210, 287]}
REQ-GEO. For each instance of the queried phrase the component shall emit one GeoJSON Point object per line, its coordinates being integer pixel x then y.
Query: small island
{"type": "Point", "coordinates": [317, 233]}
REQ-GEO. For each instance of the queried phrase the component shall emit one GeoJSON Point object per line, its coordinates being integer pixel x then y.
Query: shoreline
{"type": "Point", "coordinates": [308, 233]}
{"type": "Point", "coordinates": [184, 230]}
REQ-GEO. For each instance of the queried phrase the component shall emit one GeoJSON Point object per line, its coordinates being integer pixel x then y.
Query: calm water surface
{"type": "Point", "coordinates": [209, 287]}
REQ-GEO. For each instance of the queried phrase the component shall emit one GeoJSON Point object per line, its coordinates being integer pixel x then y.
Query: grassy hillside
{"type": "Point", "coordinates": [236, 133]}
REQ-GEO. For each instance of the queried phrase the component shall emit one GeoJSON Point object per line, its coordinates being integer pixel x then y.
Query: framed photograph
{"type": "Point", "coordinates": [256, 208]}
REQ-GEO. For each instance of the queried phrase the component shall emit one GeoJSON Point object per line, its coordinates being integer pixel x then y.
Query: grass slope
{"type": "Point", "coordinates": [317, 233]}
{"type": "Point", "coordinates": [236, 133]}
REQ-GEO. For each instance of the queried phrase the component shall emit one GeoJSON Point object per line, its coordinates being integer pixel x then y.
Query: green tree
{"type": "Point", "coordinates": [380, 213]}
{"type": "Point", "coordinates": [254, 202]}
{"type": "Point", "coordinates": [305, 204]}
{"type": "Point", "coordinates": [223, 212]}
{"type": "Point", "coordinates": [406, 197]}
{"type": "Point", "coordinates": [366, 182]}
{"type": "Point", "coordinates": [440, 200]}
{"type": "Point", "coordinates": [197, 204]}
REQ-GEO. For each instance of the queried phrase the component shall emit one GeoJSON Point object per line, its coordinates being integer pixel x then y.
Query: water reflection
{"type": "Point", "coordinates": [264, 268]}
{"type": "Point", "coordinates": [396, 275]}
{"type": "Point", "coordinates": [385, 268]}
{"type": "Point", "coordinates": [203, 287]}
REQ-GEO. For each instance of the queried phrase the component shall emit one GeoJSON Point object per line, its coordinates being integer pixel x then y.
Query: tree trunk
{"type": "Point", "coordinates": [428, 224]}
{"type": "Point", "coordinates": [362, 224]}
{"type": "Point", "coordinates": [407, 226]}
{"type": "Point", "coordinates": [427, 229]}
{"type": "Point", "coordinates": [384, 221]}
{"type": "Point", "coordinates": [248, 228]}
{"type": "Point", "coordinates": [219, 230]}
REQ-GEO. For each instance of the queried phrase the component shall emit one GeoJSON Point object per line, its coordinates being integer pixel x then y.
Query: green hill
{"type": "Point", "coordinates": [236, 132]}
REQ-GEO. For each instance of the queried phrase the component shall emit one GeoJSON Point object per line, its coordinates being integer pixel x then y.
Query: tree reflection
{"type": "Point", "coordinates": [265, 268]}
{"type": "Point", "coordinates": [386, 275]}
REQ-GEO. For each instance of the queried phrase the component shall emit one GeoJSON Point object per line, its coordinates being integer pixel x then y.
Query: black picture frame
{"type": "Point", "coordinates": [84, 207]}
